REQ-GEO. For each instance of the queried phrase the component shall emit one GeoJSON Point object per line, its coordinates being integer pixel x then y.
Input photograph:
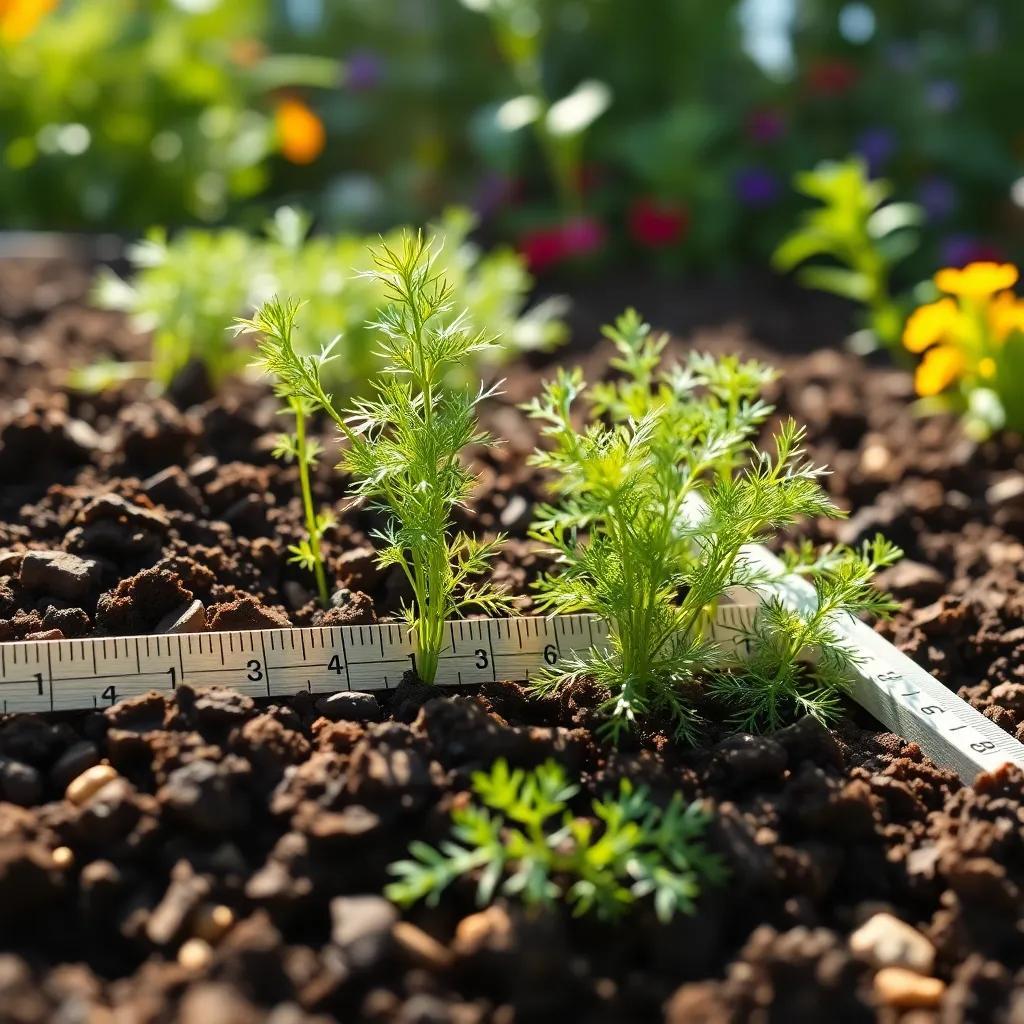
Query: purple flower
{"type": "Point", "coordinates": [756, 186]}
{"type": "Point", "coordinates": [959, 250]}
{"type": "Point", "coordinates": [364, 70]}
{"type": "Point", "coordinates": [877, 146]}
{"type": "Point", "coordinates": [938, 197]}
{"type": "Point", "coordinates": [942, 95]}
{"type": "Point", "coordinates": [765, 125]}
{"type": "Point", "coordinates": [493, 191]}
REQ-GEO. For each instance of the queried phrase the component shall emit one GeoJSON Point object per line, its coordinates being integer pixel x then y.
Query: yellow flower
{"type": "Point", "coordinates": [977, 280]}
{"type": "Point", "coordinates": [300, 131]}
{"type": "Point", "coordinates": [987, 368]}
{"type": "Point", "coordinates": [18, 18]}
{"type": "Point", "coordinates": [930, 324]}
{"type": "Point", "coordinates": [1005, 315]}
{"type": "Point", "coordinates": [940, 367]}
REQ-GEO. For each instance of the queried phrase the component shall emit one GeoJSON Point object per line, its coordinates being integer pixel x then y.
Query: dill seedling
{"type": "Point", "coordinates": [276, 324]}
{"type": "Point", "coordinates": [775, 679]}
{"type": "Point", "coordinates": [655, 500]}
{"type": "Point", "coordinates": [305, 452]}
{"type": "Point", "coordinates": [405, 442]}
{"type": "Point", "coordinates": [522, 841]}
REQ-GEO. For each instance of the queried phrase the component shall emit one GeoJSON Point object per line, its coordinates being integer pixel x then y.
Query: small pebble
{"type": "Point", "coordinates": [515, 513]}
{"type": "Point", "coordinates": [59, 573]}
{"type": "Point", "coordinates": [190, 619]}
{"type": "Point", "coordinates": [886, 941]}
{"type": "Point", "coordinates": [76, 759]}
{"type": "Point", "coordinates": [351, 706]}
{"type": "Point", "coordinates": [420, 947]}
{"type": "Point", "coordinates": [212, 922]}
{"type": "Point", "coordinates": [1008, 491]}
{"type": "Point", "coordinates": [874, 460]}
{"type": "Point", "coordinates": [906, 990]}
{"type": "Point", "coordinates": [44, 634]}
{"type": "Point", "coordinates": [83, 788]}
{"type": "Point", "coordinates": [20, 783]}
{"type": "Point", "coordinates": [490, 928]}
{"type": "Point", "coordinates": [63, 857]}
{"type": "Point", "coordinates": [361, 928]}
{"type": "Point", "coordinates": [195, 954]}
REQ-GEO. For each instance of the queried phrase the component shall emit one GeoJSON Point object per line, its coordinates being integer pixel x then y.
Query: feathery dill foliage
{"type": "Point", "coordinates": [297, 385]}
{"type": "Point", "coordinates": [521, 840]}
{"type": "Point", "coordinates": [775, 679]}
{"type": "Point", "coordinates": [655, 498]}
{"type": "Point", "coordinates": [405, 441]}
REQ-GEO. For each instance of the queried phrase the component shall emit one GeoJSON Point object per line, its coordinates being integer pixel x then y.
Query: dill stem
{"type": "Point", "coordinates": [312, 527]}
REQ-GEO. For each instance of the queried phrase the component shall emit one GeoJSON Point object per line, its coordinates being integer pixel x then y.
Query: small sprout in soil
{"type": "Point", "coordinates": [521, 840]}
{"type": "Point", "coordinates": [775, 678]}
{"type": "Point", "coordinates": [856, 228]}
{"type": "Point", "coordinates": [305, 451]}
{"type": "Point", "coordinates": [972, 345]}
{"type": "Point", "coordinates": [275, 324]}
{"type": "Point", "coordinates": [406, 442]}
{"type": "Point", "coordinates": [654, 500]}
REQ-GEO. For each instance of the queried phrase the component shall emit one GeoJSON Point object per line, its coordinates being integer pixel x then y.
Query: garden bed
{"type": "Point", "coordinates": [180, 500]}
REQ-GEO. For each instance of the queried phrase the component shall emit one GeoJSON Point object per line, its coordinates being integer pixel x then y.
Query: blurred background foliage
{"type": "Point", "coordinates": [581, 131]}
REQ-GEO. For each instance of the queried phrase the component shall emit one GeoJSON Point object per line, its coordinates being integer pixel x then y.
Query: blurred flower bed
{"type": "Point", "coordinates": [580, 131]}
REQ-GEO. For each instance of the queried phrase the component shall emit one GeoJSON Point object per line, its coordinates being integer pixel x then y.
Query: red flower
{"type": "Point", "coordinates": [765, 125]}
{"type": "Point", "coordinates": [656, 224]}
{"type": "Point", "coordinates": [831, 77]}
{"type": "Point", "coordinates": [546, 247]}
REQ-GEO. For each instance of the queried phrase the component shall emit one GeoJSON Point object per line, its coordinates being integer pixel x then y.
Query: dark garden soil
{"type": "Point", "coordinates": [230, 871]}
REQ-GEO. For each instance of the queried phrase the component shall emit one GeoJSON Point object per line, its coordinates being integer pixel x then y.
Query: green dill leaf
{"type": "Point", "coordinates": [522, 840]}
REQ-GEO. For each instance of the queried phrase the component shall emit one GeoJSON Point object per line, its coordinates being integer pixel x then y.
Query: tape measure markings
{"type": "Point", "coordinates": [98, 672]}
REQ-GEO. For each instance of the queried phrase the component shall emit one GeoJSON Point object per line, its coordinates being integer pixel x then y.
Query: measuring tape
{"type": "Point", "coordinates": [59, 675]}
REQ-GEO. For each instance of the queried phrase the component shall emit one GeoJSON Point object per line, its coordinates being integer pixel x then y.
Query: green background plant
{"type": "Point", "coordinates": [115, 114]}
{"type": "Point", "coordinates": [186, 289]}
{"type": "Point", "coordinates": [861, 234]}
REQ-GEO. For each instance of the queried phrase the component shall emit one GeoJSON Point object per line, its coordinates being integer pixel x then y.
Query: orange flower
{"type": "Point", "coordinates": [300, 131]}
{"type": "Point", "coordinates": [941, 366]}
{"type": "Point", "coordinates": [1005, 315]}
{"type": "Point", "coordinates": [977, 280]}
{"type": "Point", "coordinates": [18, 18]}
{"type": "Point", "coordinates": [930, 324]}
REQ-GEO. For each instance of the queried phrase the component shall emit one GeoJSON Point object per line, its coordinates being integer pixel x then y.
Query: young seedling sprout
{"type": "Point", "coordinates": [305, 452]}
{"type": "Point", "coordinates": [655, 500]}
{"type": "Point", "coordinates": [521, 839]}
{"type": "Point", "coordinates": [406, 442]}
